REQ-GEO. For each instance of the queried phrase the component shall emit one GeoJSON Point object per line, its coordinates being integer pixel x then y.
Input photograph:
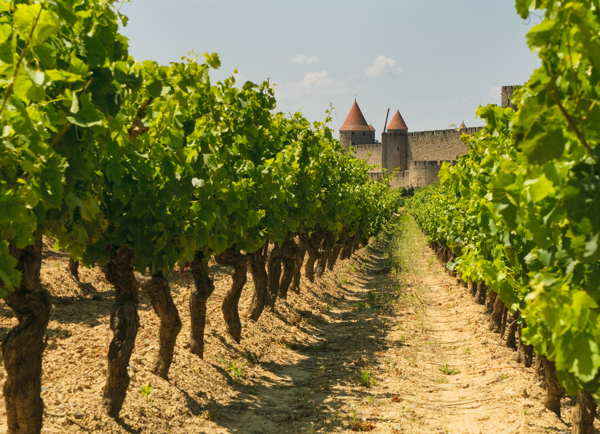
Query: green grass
{"type": "Point", "coordinates": [146, 390]}
{"type": "Point", "coordinates": [236, 370]}
{"type": "Point", "coordinates": [366, 378]}
{"type": "Point", "coordinates": [447, 370]}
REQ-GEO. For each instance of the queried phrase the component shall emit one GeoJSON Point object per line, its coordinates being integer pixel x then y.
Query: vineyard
{"type": "Point", "coordinates": [139, 167]}
{"type": "Point", "coordinates": [517, 218]}
{"type": "Point", "coordinates": [157, 190]}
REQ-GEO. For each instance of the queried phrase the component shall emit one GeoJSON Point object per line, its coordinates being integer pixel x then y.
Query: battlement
{"type": "Point", "coordinates": [431, 163]}
{"type": "Point", "coordinates": [370, 152]}
{"type": "Point", "coordinates": [414, 157]}
{"type": "Point", "coordinates": [450, 132]}
{"type": "Point", "coordinates": [365, 147]}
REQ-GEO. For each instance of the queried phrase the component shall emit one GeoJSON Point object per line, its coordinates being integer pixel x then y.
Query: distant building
{"type": "Point", "coordinates": [415, 157]}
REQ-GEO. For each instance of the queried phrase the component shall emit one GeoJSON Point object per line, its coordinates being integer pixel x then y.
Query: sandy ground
{"type": "Point", "coordinates": [364, 349]}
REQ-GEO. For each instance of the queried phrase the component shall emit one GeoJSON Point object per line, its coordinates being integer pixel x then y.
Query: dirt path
{"type": "Point", "coordinates": [414, 357]}
{"type": "Point", "coordinates": [365, 349]}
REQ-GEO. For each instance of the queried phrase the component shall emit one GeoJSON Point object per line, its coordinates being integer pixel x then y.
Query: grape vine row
{"type": "Point", "coordinates": [136, 166]}
{"type": "Point", "coordinates": [518, 216]}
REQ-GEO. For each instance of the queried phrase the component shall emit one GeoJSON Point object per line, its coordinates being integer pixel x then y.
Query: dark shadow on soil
{"type": "Point", "coordinates": [342, 349]}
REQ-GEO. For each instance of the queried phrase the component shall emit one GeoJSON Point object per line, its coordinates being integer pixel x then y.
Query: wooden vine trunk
{"type": "Point", "coordinates": [553, 390]}
{"type": "Point", "coordinates": [261, 296]}
{"type": "Point", "coordinates": [204, 287]}
{"type": "Point", "coordinates": [584, 413]}
{"type": "Point", "coordinates": [289, 251]}
{"type": "Point", "coordinates": [274, 273]}
{"type": "Point", "coordinates": [23, 347]}
{"type": "Point", "coordinates": [230, 306]}
{"type": "Point", "coordinates": [298, 269]}
{"type": "Point", "coordinates": [124, 323]}
{"type": "Point", "coordinates": [159, 292]}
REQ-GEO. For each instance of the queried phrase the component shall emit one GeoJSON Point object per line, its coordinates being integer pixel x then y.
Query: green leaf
{"type": "Point", "coordinates": [23, 84]}
{"type": "Point", "coordinates": [539, 35]}
{"type": "Point", "coordinates": [32, 16]}
{"type": "Point", "coordinates": [5, 31]}
{"type": "Point", "coordinates": [523, 7]}
{"type": "Point", "coordinates": [544, 146]}
{"type": "Point", "coordinates": [540, 188]}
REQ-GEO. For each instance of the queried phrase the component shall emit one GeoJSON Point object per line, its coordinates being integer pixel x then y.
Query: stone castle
{"type": "Point", "coordinates": [414, 157]}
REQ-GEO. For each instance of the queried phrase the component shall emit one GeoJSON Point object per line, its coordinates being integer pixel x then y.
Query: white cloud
{"type": "Point", "coordinates": [314, 84]}
{"type": "Point", "coordinates": [302, 59]}
{"type": "Point", "coordinates": [317, 79]}
{"type": "Point", "coordinates": [383, 66]}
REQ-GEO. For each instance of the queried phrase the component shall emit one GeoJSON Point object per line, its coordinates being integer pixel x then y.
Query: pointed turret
{"type": "Point", "coordinates": [397, 123]}
{"type": "Point", "coordinates": [355, 121]}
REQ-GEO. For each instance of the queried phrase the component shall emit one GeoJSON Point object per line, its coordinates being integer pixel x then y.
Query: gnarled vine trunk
{"type": "Point", "coordinates": [497, 313]}
{"type": "Point", "coordinates": [204, 287]}
{"type": "Point", "coordinates": [511, 333]}
{"type": "Point", "coordinates": [159, 292]}
{"type": "Point", "coordinates": [525, 352]}
{"type": "Point", "coordinates": [312, 244]}
{"type": "Point", "coordinates": [489, 303]}
{"type": "Point", "coordinates": [230, 306]}
{"type": "Point", "coordinates": [481, 293]}
{"type": "Point", "coordinates": [584, 414]}
{"type": "Point", "coordinates": [334, 254]}
{"type": "Point", "coordinates": [301, 253]}
{"type": "Point", "coordinates": [325, 252]}
{"type": "Point", "coordinates": [74, 269]}
{"type": "Point", "coordinates": [553, 390]}
{"type": "Point", "coordinates": [274, 273]}
{"type": "Point", "coordinates": [348, 248]}
{"type": "Point", "coordinates": [124, 323]}
{"type": "Point", "coordinates": [259, 275]}
{"type": "Point", "coordinates": [23, 347]}
{"type": "Point", "coordinates": [289, 252]}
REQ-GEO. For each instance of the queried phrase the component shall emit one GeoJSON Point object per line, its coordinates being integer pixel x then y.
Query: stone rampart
{"type": "Point", "coordinates": [438, 144]}
{"type": "Point", "coordinates": [371, 153]}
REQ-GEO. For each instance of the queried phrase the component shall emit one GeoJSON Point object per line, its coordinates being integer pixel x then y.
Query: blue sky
{"type": "Point", "coordinates": [434, 60]}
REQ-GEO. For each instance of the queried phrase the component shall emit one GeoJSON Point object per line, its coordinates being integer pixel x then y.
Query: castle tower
{"type": "Point", "coordinates": [506, 95]}
{"type": "Point", "coordinates": [395, 144]}
{"type": "Point", "coordinates": [356, 130]}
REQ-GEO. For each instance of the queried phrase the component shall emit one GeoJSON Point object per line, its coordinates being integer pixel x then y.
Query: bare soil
{"type": "Point", "coordinates": [364, 349]}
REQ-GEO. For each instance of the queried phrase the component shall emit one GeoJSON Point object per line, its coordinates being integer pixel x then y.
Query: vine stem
{"type": "Point", "coordinates": [9, 89]}
{"type": "Point", "coordinates": [569, 118]}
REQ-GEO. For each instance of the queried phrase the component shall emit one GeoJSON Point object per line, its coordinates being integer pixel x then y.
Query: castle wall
{"type": "Point", "coordinates": [507, 95]}
{"type": "Point", "coordinates": [422, 173]}
{"type": "Point", "coordinates": [395, 150]}
{"type": "Point", "coordinates": [437, 145]}
{"type": "Point", "coordinates": [371, 153]}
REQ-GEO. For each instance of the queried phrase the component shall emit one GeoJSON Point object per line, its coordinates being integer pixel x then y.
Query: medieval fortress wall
{"type": "Point", "coordinates": [371, 153]}
{"type": "Point", "coordinates": [415, 157]}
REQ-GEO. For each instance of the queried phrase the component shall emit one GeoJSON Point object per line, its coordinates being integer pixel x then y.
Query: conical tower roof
{"type": "Point", "coordinates": [355, 121]}
{"type": "Point", "coordinates": [397, 123]}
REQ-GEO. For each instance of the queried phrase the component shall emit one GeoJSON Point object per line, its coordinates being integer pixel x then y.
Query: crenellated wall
{"type": "Point", "coordinates": [371, 153]}
{"type": "Point", "coordinates": [438, 144]}
{"type": "Point", "coordinates": [422, 173]}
